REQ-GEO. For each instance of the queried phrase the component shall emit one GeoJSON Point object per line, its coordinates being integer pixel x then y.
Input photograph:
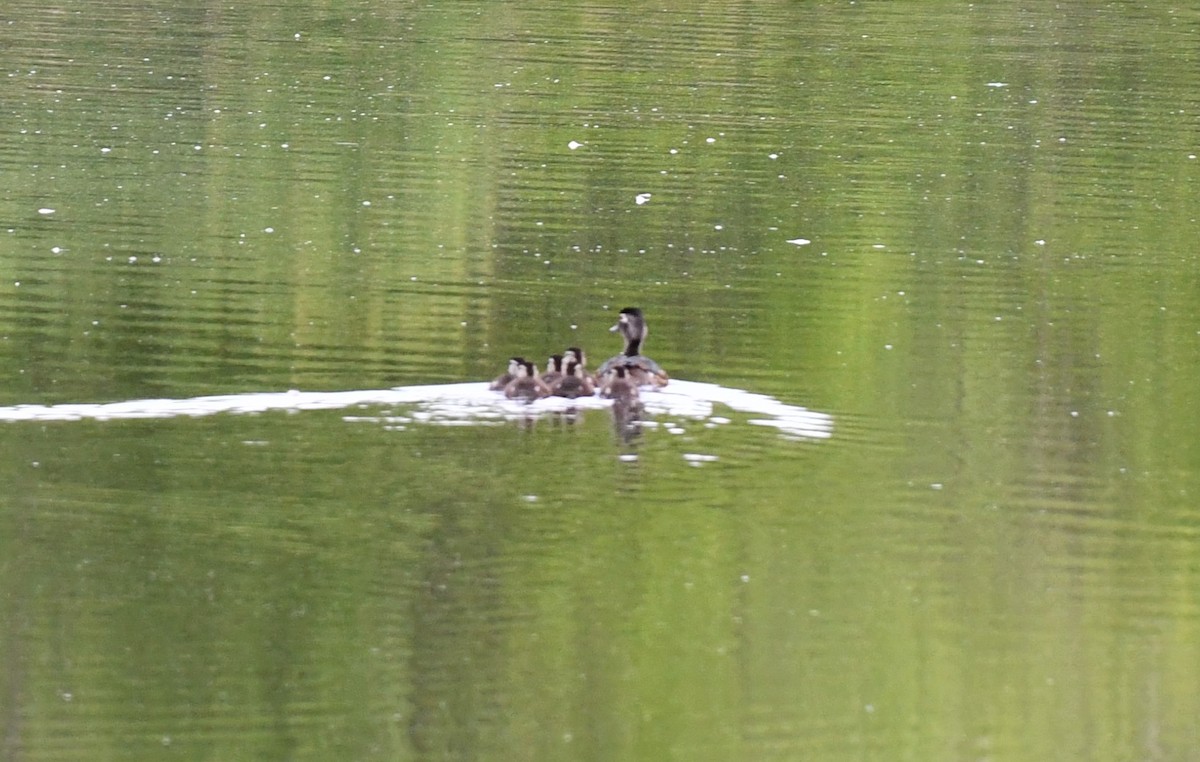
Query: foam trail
{"type": "Point", "coordinates": [446, 404]}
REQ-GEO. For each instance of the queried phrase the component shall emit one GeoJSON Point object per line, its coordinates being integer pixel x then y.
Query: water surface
{"type": "Point", "coordinates": [961, 238]}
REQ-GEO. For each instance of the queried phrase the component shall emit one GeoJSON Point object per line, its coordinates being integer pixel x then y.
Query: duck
{"type": "Point", "coordinates": [641, 369]}
{"type": "Point", "coordinates": [503, 380]}
{"type": "Point", "coordinates": [576, 355]}
{"type": "Point", "coordinates": [619, 385]}
{"type": "Point", "coordinates": [554, 370]}
{"type": "Point", "coordinates": [573, 383]}
{"type": "Point", "coordinates": [526, 385]}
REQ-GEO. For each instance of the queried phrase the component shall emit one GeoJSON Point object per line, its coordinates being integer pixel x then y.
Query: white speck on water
{"type": "Point", "coordinates": [56, 250]}
{"type": "Point", "coordinates": [132, 260]}
{"type": "Point", "coordinates": [695, 457]}
{"type": "Point", "coordinates": [1040, 242]}
{"type": "Point", "coordinates": [45, 210]}
{"type": "Point", "coordinates": [745, 578]}
{"type": "Point", "coordinates": [641, 198]}
{"type": "Point", "coordinates": [997, 84]}
{"type": "Point", "coordinates": [799, 241]}
{"type": "Point", "coordinates": [673, 151]}
{"type": "Point", "coordinates": [718, 227]}
{"type": "Point", "coordinates": [268, 230]}
{"type": "Point", "coordinates": [935, 486]}
{"type": "Point", "coordinates": [887, 346]}
{"type": "Point", "coordinates": [574, 144]}
{"type": "Point", "coordinates": [529, 498]}
{"type": "Point", "coordinates": [710, 140]}
{"type": "Point", "coordinates": [772, 156]}
{"type": "Point", "coordinates": [628, 457]}
{"type": "Point", "coordinates": [878, 246]}
{"type": "Point", "coordinates": [366, 203]}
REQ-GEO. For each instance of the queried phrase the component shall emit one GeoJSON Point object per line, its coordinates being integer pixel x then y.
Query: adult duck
{"type": "Point", "coordinates": [639, 368]}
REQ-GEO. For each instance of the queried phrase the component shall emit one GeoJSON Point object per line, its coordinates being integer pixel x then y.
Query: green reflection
{"type": "Point", "coordinates": [992, 558]}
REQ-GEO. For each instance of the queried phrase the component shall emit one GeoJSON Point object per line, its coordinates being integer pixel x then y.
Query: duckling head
{"type": "Point", "coordinates": [575, 354]}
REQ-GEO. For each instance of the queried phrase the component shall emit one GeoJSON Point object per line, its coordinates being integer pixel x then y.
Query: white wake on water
{"type": "Point", "coordinates": [450, 405]}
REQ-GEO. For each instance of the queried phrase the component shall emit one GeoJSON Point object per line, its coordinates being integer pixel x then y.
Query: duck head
{"type": "Point", "coordinates": [632, 326]}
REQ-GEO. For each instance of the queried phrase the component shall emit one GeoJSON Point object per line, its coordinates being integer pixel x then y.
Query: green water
{"type": "Point", "coordinates": [993, 557]}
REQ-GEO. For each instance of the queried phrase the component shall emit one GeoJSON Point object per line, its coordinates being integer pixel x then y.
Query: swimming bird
{"type": "Point", "coordinates": [644, 371]}
{"type": "Point", "coordinates": [575, 354]}
{"type": "Point", "coordinates": [505, 378]}
{"type": "Point", "coordinates": [554, 370]}
{"type": "Point", "coordinates": [619, 385]}
{"type": "Point", "coordinates": [573, 383]}
{"type": "Point", "coordinates": [526, 385]}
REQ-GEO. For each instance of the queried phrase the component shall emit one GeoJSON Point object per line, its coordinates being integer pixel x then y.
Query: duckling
{"type": "Point", "coordinates": [505, 378]}
{"type": "Point", "coordinates": [644, 371]}
{"type": "Point", "coordinates": [573, 383]}
{"type": "Point", "coordinates": [554, 368]}
{"type": "Point", "coordinates": [526, 385]}
{"type": "Point", "coordinates": [619, 386]}
{"type": "Point", "coordinates": [576, 354]}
